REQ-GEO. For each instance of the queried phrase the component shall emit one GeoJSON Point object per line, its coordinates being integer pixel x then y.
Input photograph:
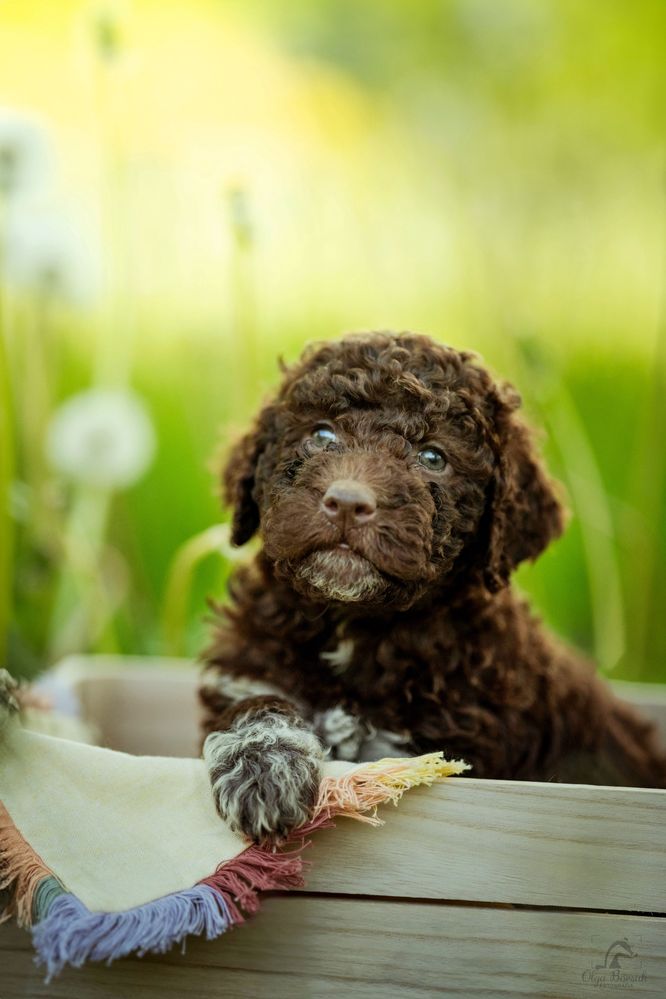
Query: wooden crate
{"type": "Point", "coordinates": [473, 888]}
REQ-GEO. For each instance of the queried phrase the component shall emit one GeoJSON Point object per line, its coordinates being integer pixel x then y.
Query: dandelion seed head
{"type": "Point", "coordinates": [24, 153]}
{"type": "Point", "coordinates": [101, 437]}
{"type": "Point", "coordinates": [45, 255]}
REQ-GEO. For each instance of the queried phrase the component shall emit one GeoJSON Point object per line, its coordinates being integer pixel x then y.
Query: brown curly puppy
{"type": "Point", "coordinates": [395, 490]}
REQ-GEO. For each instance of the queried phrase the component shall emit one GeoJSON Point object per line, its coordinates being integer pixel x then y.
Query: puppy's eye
{"type": "Point", "coordinates": [431, 459]}
{"type": "Point", "coordinates": [323, 435]}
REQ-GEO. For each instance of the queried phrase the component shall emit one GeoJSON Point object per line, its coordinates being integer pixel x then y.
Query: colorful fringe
{"type": "Point", "coordinates": [66, 932]}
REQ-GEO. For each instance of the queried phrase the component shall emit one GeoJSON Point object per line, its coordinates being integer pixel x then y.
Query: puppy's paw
{"type": "Point", "coordinates": [265, 774]}
{"type": "Point", "coordinates": [341, 732]}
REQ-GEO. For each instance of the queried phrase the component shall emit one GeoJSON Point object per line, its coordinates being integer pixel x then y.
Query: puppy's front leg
{"type": "Point", "coordinates": [349, 736]}
{"type": "Point", "coordinates": [264, 768]}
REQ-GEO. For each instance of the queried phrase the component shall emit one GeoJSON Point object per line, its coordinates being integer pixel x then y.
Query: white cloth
{"type": "Point", "coordinates": [118, 830]}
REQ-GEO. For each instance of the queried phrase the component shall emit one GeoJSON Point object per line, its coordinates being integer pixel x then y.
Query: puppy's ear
{"type": "Point", "coordinates": [524, 512]}
{"type": "Point", "coordinates": [241, 476]}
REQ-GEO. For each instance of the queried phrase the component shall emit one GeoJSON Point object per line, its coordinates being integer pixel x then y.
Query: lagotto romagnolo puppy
{"type": "Point", "coordinates": [395, 490]}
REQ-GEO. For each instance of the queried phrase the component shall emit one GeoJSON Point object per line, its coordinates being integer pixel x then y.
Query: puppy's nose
{"type": "Point", "coordinates": [350, 502]}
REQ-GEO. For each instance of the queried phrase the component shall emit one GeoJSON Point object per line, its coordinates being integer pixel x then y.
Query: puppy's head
{"type": "Point", "coordinates": [387, 465]}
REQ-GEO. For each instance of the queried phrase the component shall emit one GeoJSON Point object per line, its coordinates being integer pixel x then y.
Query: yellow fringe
{"type": "Point", "coordinates": [373, 784]}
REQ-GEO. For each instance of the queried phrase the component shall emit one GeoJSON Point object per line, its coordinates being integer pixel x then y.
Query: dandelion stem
{"type": "Point", "coordinates": [587, 489]}
{"type": "Point", "coordinates": [179, 581]}
{"type": "Point", "coordinates": [243, 321]}
{"type": "Point", "coordinates": [80, 594]}
{"type": "Point", "coordinates": [597, 530]}
{"type": "Point", "coordinates": [6, 476]}
{"type": "Point", "coordinates": [649, 491]}
{"type": "Point", "coordinates": [6, 465]}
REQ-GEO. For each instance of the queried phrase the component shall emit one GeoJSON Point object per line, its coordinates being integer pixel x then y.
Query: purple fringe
{"type": "Point", "coordinates": [71, 934]}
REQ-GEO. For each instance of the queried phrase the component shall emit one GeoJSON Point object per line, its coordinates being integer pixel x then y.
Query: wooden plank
{"type": "Point", "coordinates": [508, 842]}
{"type": "Point", "coordinates": [650, 698]}
{"type": "Point", "coordinates": [138, 704]}
{"type": "Point", "coordinates": [327, 947]}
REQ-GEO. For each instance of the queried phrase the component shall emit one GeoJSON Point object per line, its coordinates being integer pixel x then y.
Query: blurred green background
{"type": "Point", "coordinates": [190, 189]}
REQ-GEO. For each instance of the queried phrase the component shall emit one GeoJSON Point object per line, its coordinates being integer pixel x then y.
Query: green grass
{"type": "Point", "coordinates": [438, 167]}
{"type": "Point", "coordinates": [189, 395]}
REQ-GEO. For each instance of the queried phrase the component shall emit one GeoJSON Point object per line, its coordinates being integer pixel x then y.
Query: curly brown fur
{"type": "Point", "coordinates": [398, 612]}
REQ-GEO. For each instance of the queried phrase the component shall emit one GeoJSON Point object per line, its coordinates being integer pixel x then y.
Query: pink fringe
{"type": "Point", "coordinates": [263, 868]}
{"type": "Point", "coordinates": [21, 870]}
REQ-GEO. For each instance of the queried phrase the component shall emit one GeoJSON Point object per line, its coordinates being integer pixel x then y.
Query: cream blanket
{"type": "Point", "coordinates": [117, 829]}
{"type": "Point", "coordinates": [107, 853]}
